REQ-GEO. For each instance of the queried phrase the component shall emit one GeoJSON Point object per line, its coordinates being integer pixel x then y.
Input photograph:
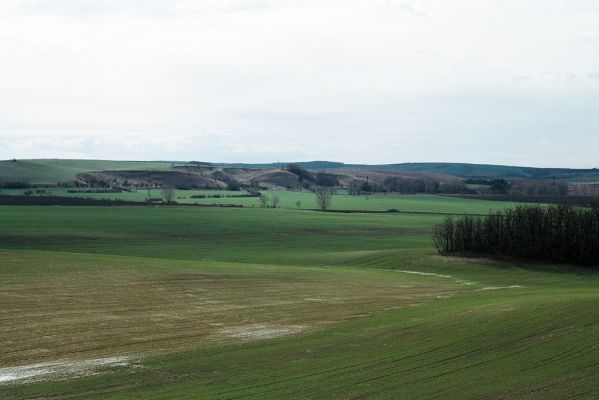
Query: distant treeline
{"type": "Point", "coordinates": [15, 185]}
{"type": "Point", "coordinates": [559, 233]}
{"type": "Point", "coordinates": [222, 196]}
{"type": "Point", "coordinates": [583, 201]}
{"type": "Point", "coordinates": [520, 187]}
{"type": "Point", "coordinates": [316, 178]}
{"type": "Point", "coordinates": [109, 190]}
{"type": "Point", "coordinates": [406, 185]}
{"type": "Point", "coordinates": [61, 201]}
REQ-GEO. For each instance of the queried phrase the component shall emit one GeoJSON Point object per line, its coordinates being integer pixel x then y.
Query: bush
{"type": "Point", "coordinates": [556, 234]}
{"type": "Point", "coordinates": [15, 185]}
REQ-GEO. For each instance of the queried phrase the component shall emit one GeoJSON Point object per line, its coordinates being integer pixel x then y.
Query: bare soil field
{"type": "Point", "coordinates": [55, 307]}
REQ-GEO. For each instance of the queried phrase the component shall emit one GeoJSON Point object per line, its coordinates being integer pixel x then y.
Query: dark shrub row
{"type": "Point", "coordinates": [61, 201]}
{"type": "Point", "coordinates": [557, 234]}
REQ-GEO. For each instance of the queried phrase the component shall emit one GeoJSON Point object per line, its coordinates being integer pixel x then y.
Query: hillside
{"type": "Point", "coordinates": [461, 170]}
{"type": "Point", "coordinates": [52, 171]}
{"type": "Point", "coordinates": [487, 171]}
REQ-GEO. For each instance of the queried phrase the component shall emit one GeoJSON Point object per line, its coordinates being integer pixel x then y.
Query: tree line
{"type": "Point", "coordinates": [560, 233]}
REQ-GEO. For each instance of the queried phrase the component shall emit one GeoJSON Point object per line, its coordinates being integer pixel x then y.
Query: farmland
{"type": "Point", "coordinates": [62, 170]}
{"type": "Point", "coordinates": [289, 199]}
{"type": "Point", "coordinates": [276, 303]}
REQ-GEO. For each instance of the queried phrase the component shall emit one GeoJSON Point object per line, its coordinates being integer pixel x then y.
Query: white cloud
{"type": "Point", "coordinates": [371, 81]}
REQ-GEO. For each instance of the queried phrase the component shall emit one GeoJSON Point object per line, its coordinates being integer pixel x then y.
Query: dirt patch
{"type": "Point", "coordinates": [468, 260]}
{"type": "Point", "coordinates": [59, 370]}
{"type": "Point", "coordinates": [460, 281]}
{"type": "Point", "coordinates": [260, 332]}
{"type": "Point", "coordinates": [141, 306]}
{"type": "Point", "coordinates": [424, 274]}
{"type": "Point", "coordinates": [501, 287]}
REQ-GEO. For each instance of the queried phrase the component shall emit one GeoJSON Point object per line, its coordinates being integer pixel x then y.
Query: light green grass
{"type": "Point", "coordinates": [57, 171]}
{"type": "Point", "coordinates": [381, 202]}
{"type": "Point", "coordinates": [382, 333]}
{"type": "Point", "coordinates": [288, 200]}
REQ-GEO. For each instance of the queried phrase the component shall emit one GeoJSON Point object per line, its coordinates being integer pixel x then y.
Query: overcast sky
{"type": "Point", "coordinates": [373, 81]}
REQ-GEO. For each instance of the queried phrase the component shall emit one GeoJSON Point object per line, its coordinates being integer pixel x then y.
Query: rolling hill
{"type": "Point", "coordinates": [461, 170]}
{"type": "Point", "coordinates": [52, 171]}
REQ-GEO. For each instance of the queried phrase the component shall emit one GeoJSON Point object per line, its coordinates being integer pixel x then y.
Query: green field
{"type": "Point", "coordinates": [288, 199]}
{"type": "Point", "coordinates": [58, 171]}
{"type": "Point", "coordinates": [283, 304]}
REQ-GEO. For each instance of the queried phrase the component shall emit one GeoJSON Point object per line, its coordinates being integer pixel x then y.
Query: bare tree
{"type": "Point", "coordinates": [149, 197]}
{"type": "Point", "coordinates": [263, 200]}
{"type": "Point", "coordinates": [167, 194]}
{"type": "Point", "coordinates": [324, 198]}
{"type": "Point", "coordinates": [275, 201]}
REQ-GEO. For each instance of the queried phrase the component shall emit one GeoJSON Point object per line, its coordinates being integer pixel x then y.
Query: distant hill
{"type": "Point", "coordinates": [461, 170]}
{"type": "Point", "coordinates": [488, 171]}
{"type": "Point", "coordinates": [52, 171]}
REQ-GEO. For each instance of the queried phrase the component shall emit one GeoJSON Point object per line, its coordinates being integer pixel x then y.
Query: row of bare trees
{"type": "Point", "coordinates": [557, 234]}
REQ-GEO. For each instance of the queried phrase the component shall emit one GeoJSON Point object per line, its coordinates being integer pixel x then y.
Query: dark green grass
{"type": "Point", "coordinates": [536, 341]}
{"type": "Point", "coordinates": [268, 236]}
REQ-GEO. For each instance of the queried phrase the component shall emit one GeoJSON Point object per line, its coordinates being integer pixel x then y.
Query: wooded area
{"type": "Point", "coordinates": [559, 233]}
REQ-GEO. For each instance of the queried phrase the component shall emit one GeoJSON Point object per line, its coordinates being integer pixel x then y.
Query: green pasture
{"type": "Point", "coordinates": [285, 304]}
{"type": "Point", "coordinates": [289, 199]}
{"type": "Point", "coordinates": [382, 202]}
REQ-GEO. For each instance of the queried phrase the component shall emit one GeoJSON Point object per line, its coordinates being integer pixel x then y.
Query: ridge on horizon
{"type": "Point", "coordinates": [62, 170]}
{"type": "Point", "coordinates": [309, 162]}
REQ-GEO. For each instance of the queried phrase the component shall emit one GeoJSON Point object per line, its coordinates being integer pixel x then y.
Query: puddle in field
{"type": "Point", "coordinates": [423, 273]}
{"type": "Point", "coordinates": [259, 332]}
{"type": "Point", "coordinates": [58, 370]}
{"type": "Point", "coordinates": [501, 287]}
{"type": "Point", "coordinates": [460, 281]}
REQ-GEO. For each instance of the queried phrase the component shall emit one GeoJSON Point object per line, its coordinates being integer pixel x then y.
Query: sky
{"type": "Point", "coordinates": [375, 81]}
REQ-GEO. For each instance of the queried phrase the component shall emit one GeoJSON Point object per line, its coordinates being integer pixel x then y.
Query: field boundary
{"type": "Point", "coordinates": [10, 200]}
{"type": "Point", "coordinates": [400, 212]}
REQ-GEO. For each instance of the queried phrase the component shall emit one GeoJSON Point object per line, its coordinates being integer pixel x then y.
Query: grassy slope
{"type": "Point", "coordinates": [256, 235]}
{"type": "Point", "coordinates": [538, 341]}
{"type": "Point", "coordinates": [57, 171]}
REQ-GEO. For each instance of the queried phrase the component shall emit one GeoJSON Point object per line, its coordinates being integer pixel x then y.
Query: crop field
{"type": "Point", "coordinates": [382, 202]}
{"type": "Point", "coordinates": [208, 303]}
{"type": "Point", "coordinates": [289, 200]}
